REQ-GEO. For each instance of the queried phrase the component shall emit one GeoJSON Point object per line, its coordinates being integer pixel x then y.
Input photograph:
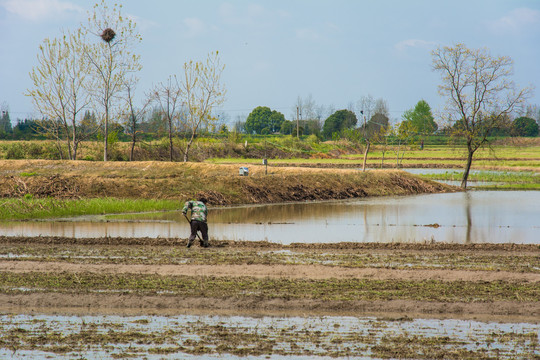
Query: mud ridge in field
{"type": "Point", "coordinates": [122, 241]}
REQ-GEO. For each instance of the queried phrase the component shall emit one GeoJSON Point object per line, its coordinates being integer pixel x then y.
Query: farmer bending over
{"type": "Point", "coordinates": [198, 220]}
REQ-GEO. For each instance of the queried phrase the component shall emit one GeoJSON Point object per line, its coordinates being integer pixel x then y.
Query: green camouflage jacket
{"type": "Point", "coordinates": [198, 210]}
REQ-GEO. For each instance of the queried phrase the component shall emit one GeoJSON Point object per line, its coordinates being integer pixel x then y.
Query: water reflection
{"type": "Point", "coordinates": [359, 335]}
{"type": "Point", "coordinates": [469, 217]}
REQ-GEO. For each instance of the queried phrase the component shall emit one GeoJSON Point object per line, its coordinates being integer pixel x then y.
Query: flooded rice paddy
{"type": "Point", "coordinates": [471, 217]}
{"type": "Point", "coordinates": [464, 217]}
{"type": "Point", "coordinates": [245, 337]}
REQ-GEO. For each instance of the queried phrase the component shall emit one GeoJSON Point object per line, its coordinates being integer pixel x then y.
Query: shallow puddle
{"type": "Point", "coordinates": [232, 337]}
{"type": "Point", "coordinates": [468, 217]}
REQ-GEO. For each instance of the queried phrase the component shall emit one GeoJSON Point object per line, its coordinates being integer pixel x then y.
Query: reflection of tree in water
{"type": "Point", "coordinates": [469, 218]}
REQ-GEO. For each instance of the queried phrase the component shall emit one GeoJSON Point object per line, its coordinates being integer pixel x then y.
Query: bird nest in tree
{"type": "Point", "coordinates": [108, 35]}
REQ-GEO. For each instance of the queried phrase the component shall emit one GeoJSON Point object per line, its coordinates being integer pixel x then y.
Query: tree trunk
{"type": "Point", "coordinates": [470, 153]}
{"type": "Point", "coordinates": [365, 156]}
{"type": "Point", "coordinates": [74, 139]}
{"type": "Point", "coordinates": [68, 141]}
{"type": "Point", "coordinates": [75, 147]}
{"type": "Point", "coordinates": [106, 137]}
{"type": "Point", "coordinates": [186, 152]}
{"type": "Point", "coordinates": [170, 141]}
{"type": "Point", "coordinates": [133, 140]}
{"type": "Point", "coordinates": [188, 146]}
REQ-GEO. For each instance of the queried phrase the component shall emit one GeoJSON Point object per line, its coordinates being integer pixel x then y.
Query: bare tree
{"type": "Point", "coordinates": [59, 90]}
{"type": "Point", "coordinates": [533, 112]}
{"type": "Point", "coordinates": [168, 97]}
{"type": "Point", "coordinates": [202, 91]}
{"type": "Point", "coordinates": [112, 59]}
{"type": "Point", "coordinates": [134, 115]}
{"type": "Point", "coordinates": [310, 116]}
{"type": "Point", "coordinates": [479, 91]}
{"type": "Point", "coordinates": [374, 114]}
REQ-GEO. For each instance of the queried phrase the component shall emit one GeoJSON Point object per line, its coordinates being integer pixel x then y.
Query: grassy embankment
{"type": "Point", "coordinates": [506, 180]}
{"type": "Point", "coordinates": [42, 189]}
{"type": "Point", "coordinates": [495, 158]}
{"type": "Point", "coordinates": [520, 165]}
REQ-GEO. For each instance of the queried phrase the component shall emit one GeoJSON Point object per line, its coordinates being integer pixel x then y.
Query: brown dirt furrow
{"type": "Point", "coordinates": [132, 303]}
{"type": "Point", "coordinates": [423, 248]}
{"type": "Point", "coordinates": [313, 272]}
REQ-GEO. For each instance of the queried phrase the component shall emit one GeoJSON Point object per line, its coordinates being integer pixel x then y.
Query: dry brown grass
{"type": "Point", "coordinates": [221, 183]}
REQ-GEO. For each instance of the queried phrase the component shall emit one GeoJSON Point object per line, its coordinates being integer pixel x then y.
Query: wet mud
{"type": "Point", "coordinates": [492, 280]}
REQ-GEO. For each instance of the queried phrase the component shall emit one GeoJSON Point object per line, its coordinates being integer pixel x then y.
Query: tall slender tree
{"type": "Point", "coordinates": [202, 92]}
{"type": "Point", "coordinates": [168, 97]}
{"type": "Point", "coordinates": [59, 91]}
{"type": "Point", "coordinates": [134, 116]}
{"type": "Point", "coordinates": [112, 59]}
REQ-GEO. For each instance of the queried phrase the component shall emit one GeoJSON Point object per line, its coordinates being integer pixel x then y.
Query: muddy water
{"type": "Point", "coordinates": [471, 217]}
{"type": "Point", "coordinates": [178, 336]}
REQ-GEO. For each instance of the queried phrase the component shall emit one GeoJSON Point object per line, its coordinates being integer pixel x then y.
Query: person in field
{"type": "Point", "coordinates": [199, 213]}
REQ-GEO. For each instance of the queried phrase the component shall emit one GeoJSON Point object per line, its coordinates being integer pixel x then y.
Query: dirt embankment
{"type": "Point", "coordinates": [220, 183]}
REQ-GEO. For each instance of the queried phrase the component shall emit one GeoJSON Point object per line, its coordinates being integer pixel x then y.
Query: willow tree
{"type": "Point", "coordinates": [112, 59]}
{"type": "Point", "coordinates": [202, 91]}
{"type": "Point", "coordinates": [59, 91]}
{"type": "Point", "coordinates": [480, 93]}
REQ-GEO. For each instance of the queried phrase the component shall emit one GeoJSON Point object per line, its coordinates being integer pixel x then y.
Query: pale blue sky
{"type": "Point", "coordinates": [334, 50]}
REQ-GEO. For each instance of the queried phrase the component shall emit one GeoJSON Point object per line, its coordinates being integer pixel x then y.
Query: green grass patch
{"type": "Point", "coordinates": [269, 288]}
{"type": "Point", "coordinates": [36, 208]}
{"type": "Point", "coordinates": [176, 255]}
{"type": "Point", "coordinates": [493, 176]}
{"type": "Point", "coordinates": [507, 180]}
{"type": "Point", "coordinates": [509, 187]}
{"type": "Point", "coordinates": [452, 156]}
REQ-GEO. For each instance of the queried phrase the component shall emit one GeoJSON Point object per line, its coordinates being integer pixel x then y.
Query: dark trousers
{"type": "Point", "coordinates": [198, 226]}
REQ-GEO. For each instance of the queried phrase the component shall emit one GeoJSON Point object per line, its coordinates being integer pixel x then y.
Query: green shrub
{"type": "Point", "coordinates": [34, 150]}
{"type": "Point", "coordinates": [15, 151]}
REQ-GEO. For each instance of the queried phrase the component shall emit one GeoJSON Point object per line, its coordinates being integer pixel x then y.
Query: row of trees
{"type": "Point", "coordinates": [95, 68]}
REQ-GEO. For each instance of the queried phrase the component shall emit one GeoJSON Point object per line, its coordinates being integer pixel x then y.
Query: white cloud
{"type": "Point", "coordinates": [250, 15]}
{"type": "Point", "coordinates": [323, 33]}
{"type": "Point", "coordinates": [414, 43]}
{"type": "Point", "coordinates": [194, 27]}
{"type": "Point", "coordinates": [308, 34]}
{"type": "Point", "coordinates": [37, 10]}
{"type": "Point", "coordinates": [142, 23]}
{"type": "Point", "coordinates": [516, 20]}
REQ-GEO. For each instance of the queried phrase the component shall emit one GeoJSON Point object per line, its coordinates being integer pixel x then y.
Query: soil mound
{"type": "Point", "coordinates": [220, 184]}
